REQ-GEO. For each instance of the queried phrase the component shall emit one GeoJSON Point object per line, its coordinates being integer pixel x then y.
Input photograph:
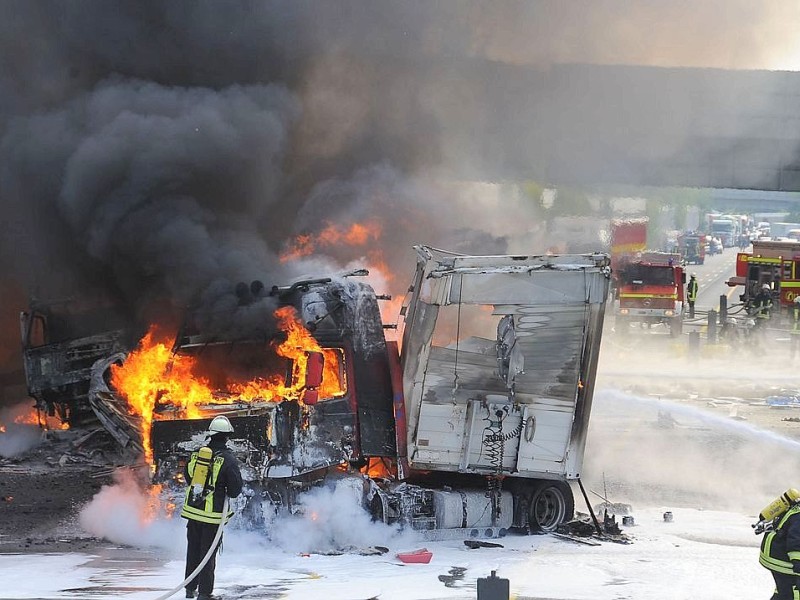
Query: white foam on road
{"type": "Point", "coordinates": [700, 554]}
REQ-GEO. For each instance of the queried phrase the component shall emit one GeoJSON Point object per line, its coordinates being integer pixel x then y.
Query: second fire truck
{"type": "Point", "coordinates": [650, 290]}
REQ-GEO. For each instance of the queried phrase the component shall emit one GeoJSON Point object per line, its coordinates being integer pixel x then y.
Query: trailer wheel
{"type": "Point", "coordinates": [551, 504]}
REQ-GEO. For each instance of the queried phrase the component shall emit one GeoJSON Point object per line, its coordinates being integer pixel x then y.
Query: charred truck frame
{"type": "Point", "coordinates": [61, 341]}
{"type": "Point", "coordinates": [476, 427]}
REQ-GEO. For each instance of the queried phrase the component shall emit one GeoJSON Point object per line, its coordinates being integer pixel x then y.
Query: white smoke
{"type": "Point", "coordinates": [126, 514]}
{"type": "Point", "coordinates": [17, 438]}
{"type": "Point", "coordinates": [657, 452]}
{"type": "Point", "coordinates": [333, 520]}
{"type": "Point", "coordinates": [330, 519]}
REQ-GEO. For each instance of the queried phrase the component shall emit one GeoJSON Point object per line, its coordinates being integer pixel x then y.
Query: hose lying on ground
{"type": "Point", "coordinates": [206, 558]}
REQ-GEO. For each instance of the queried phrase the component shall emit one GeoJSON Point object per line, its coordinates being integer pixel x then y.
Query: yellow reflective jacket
{"type": "Point", "coordinates": [202, 508]}
{"type": "Point", "coordinates": [692, 290]}
{"type": "Point", "coordinates": [781, 546]}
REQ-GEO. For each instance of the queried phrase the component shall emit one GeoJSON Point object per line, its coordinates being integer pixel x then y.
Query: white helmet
{"type": "Point", "coordinates": [220, 424]}
{"type": "Point", "coordinates": [765, 287]}
{"type": "Point", "coordinates": [694, 275]}
{"type": "Point", "coordinates": [797, 299]}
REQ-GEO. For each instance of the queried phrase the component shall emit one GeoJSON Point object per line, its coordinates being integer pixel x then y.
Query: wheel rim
{"type": "Point", "coordinates": [548, 509]}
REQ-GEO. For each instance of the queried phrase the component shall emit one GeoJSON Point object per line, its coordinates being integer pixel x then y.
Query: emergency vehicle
{"type": "Point", "coordinates": [692, 247]}
{"type": "Point", "coordinates": [774, 263]}
{"type": "Point", "coordinates": [650, 290]}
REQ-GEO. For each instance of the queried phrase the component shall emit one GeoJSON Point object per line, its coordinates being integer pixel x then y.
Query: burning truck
{"type": "Point", "coordinates": [475, 425]}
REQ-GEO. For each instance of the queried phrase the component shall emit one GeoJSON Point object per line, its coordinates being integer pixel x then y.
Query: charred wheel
{"type": "Point", "coordinates": [551, 504]}
{"type": "Point", "coordinates": [377, 508]}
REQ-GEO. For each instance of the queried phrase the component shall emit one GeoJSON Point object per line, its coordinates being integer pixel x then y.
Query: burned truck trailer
{"type": "Point", "coordinates": [476, 426]}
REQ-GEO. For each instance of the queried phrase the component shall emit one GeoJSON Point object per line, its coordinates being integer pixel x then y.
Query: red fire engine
{"type": "Point", "coordinates": [775, 263]}
{"type": "Point", "coordinates": [650, 289]}
{"type": "Point", "coordinates": [648, 286]}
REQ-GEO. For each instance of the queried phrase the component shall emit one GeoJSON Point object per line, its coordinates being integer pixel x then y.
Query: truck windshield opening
{"type": "Point", "coordinates": [640, 275]}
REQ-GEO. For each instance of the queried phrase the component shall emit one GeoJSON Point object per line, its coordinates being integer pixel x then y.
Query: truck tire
{"type": "Point", "coordinates": [551, 504]}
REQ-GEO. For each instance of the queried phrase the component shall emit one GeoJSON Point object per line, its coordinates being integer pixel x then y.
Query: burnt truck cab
{"type": "Point", "coordinates": [290, 442]}
{"type": "Point", "coordinates": [61, 341]}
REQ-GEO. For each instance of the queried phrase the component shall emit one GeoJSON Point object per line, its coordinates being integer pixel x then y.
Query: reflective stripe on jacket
{"type": "Point", "coordinates": [774, 554]}
{"type": "Point", "coordinates": [205, 511]}
{"type": "Point", "coordinates": [692, 290]}
{"type": "Point", "coordinates": [796, 320]}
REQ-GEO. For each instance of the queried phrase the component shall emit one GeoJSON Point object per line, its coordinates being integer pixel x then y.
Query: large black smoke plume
{"type": "Point", "coordinates": [163, 151]}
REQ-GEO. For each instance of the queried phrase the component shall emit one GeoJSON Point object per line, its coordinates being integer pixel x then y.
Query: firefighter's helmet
{"type": "Point", "coordinates": [797, 299]}
{"type": "Point", "coordinates": [220, 424]}
{"type": "Point", "coordinates": [765, 287]}
{"type": "Point", "coordinates": [694, 275]}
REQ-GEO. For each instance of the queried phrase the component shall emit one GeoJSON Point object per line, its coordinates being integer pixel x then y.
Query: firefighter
{"type": "Point", "coordinates": [780, 553]}
{"type": "Point", "coordinates": [691, 293]}
{"type": "Point", "coordinates": [762, 305]}
{"type": "Point", "coordinates": [212, 473]}
{"type": "Point", "coordinates": [795, 332]}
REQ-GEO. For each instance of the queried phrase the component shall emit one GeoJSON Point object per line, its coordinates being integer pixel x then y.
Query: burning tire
{"type": "Point", "coordinates": [551, 504]}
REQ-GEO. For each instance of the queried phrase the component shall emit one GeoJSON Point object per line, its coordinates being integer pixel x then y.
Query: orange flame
{"type": "Point", "coordinates": [152, 504]}
{"type": "Point", "coordinates": [377, 468]}
{"type": "Point", "coordinates": [28, 418]}
{"type": "Point", "coordinates": [358, 234]}
{"type": "Point", "coordinates": [34, 417]}
{"type": "Point", "coordinates": [152, 377]}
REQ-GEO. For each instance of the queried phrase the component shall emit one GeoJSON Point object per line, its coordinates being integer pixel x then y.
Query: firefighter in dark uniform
{"type": "Point", "coordinates": [218, 476]}
{"type": "Point", "coordinates": [762, 305]}
{"type": "Point", "coordinates": [691, 293]}
{"type": "Point", "coordinates": [780, 553]}
{"type": "Point", "coordinates": [795, 331]}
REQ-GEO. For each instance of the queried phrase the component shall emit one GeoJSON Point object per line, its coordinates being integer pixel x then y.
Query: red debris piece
{"type": "Point", "coordinates": [423, 556]}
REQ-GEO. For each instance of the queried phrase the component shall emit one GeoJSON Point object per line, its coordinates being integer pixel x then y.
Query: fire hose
{"type": "Point", "coordinates": [206, 558]}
